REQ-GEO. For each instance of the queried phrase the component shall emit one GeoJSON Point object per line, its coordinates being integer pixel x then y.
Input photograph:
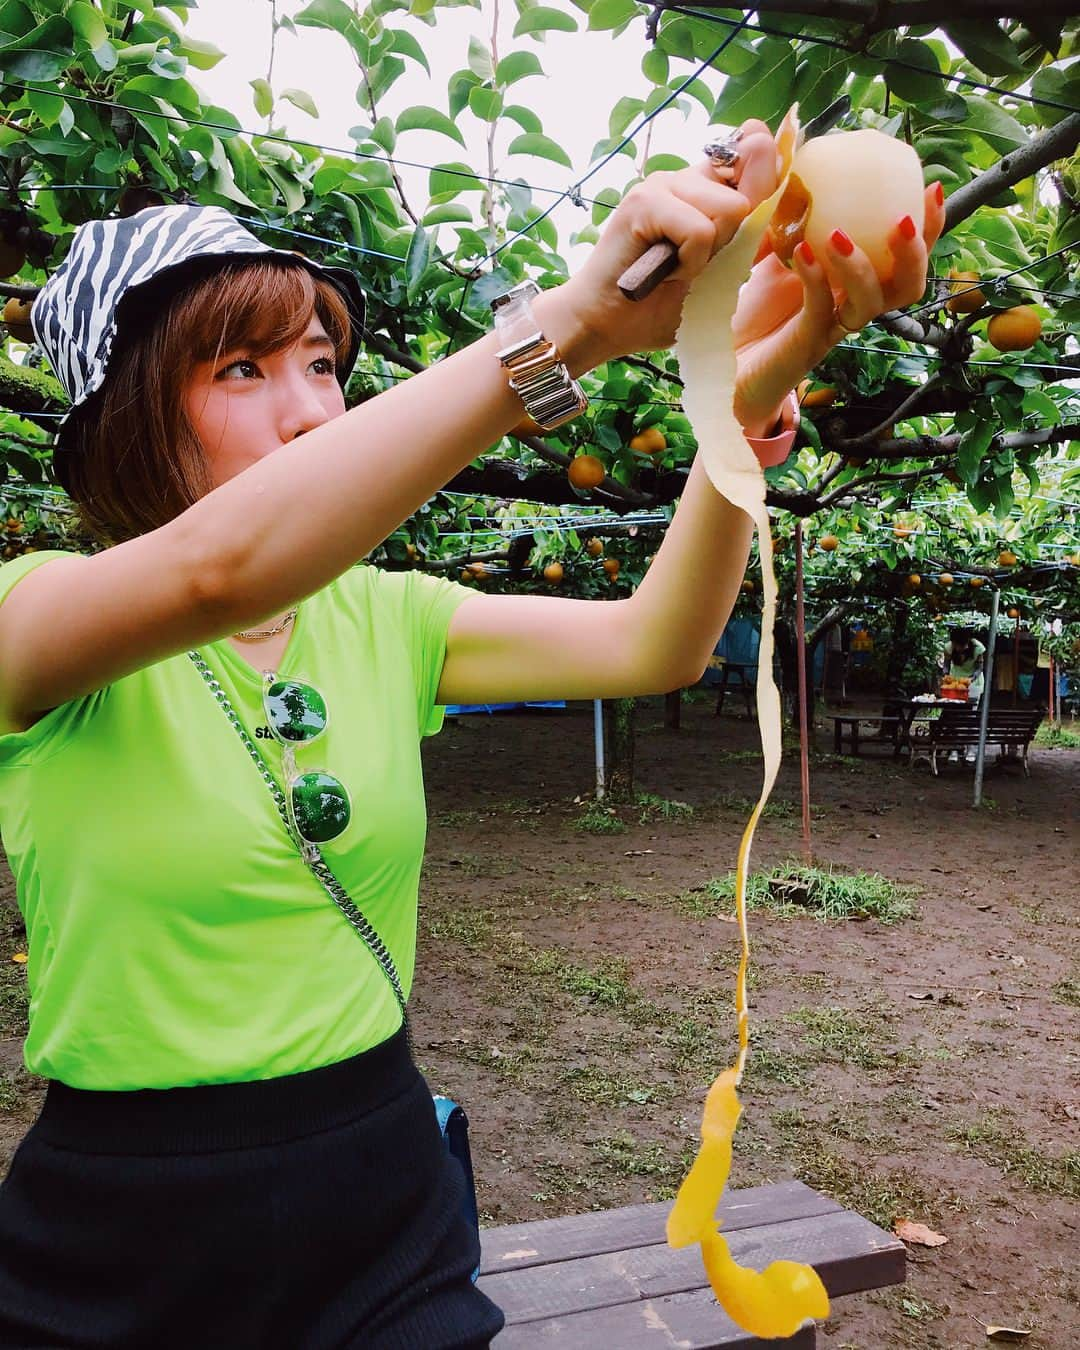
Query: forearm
{"type": "Point", "coordinates": [288, 525]}
{"type": "Point", "coordinates": [689, 591]}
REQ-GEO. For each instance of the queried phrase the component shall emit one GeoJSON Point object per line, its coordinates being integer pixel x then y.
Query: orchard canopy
{"type": "Point", "coordinates": [938, 453]}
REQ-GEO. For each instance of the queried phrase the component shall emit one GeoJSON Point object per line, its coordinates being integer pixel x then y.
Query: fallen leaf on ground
{"type": "Point", "coordinates": [922, 998]}
{"type": "Point", "coordinates": [909, 1231]}
{"type": "Point", "coordinates": [20, 958]}
{"type": "Point", "coordinates": [1007, 1334]}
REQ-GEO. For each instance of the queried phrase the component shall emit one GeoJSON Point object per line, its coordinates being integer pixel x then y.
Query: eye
{"type": "Point", "coordinates": [243, 369]}
{"type": "Point", "coordinates": [323, 366]}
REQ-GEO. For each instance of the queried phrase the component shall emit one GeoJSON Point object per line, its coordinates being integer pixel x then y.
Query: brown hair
{"type": "Point", "coordinates": [135, 461]}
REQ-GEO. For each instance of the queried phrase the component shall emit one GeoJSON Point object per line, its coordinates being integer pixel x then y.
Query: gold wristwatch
{"type": "Point", "coordinates": [538, 374]}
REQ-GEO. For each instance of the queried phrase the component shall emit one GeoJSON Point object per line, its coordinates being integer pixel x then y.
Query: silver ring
{"type": "Point", "coordinates": [725, 154]}
{"type": "Point", "coordinates": [840, 322]}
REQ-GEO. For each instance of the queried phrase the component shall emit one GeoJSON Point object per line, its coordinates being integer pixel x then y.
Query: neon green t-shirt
{"type": "Point", "coordinates": [174, 934]}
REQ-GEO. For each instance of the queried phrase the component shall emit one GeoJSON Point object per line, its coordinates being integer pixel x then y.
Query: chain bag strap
{"type": "Point", "coordinates": [452, 1121]}
{"type": "Point", "coordinates": [310, 853]}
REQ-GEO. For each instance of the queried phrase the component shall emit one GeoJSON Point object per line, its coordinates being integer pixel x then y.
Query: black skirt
{"type": "Point", "coordinates": [320, 1211]}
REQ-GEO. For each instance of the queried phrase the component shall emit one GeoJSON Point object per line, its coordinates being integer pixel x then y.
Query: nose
{"type": "Point", "coordinates": [300, 407]}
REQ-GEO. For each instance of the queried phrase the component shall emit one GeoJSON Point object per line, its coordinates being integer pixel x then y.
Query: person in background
{"type": "Point", "coordinates": [963, 660]}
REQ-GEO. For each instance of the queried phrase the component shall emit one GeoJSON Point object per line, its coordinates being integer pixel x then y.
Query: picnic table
{"type": "Point", "coordinates": [609, 1281]}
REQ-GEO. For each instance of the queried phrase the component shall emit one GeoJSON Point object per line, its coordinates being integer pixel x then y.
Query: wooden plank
{"type": "Point", "coordinates": [848, 1252]}
{"type": "Point", "coordinates": [541, 1241]}
{"type": "Point", "coordinates": [690, 1321]}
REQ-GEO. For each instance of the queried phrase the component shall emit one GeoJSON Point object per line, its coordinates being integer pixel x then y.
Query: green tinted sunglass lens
{"type": "Point", "coordinates": [321, 806]}
{"type": "Point", "coordinates": [296, 711]}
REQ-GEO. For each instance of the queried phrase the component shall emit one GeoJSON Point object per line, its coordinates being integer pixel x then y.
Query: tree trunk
{"type": "Point", "coordinates": [897, 654]}
{"type": "Point", "coordinates": [619, 717]}
{"type": "Point", "coordinates": [672, 709]}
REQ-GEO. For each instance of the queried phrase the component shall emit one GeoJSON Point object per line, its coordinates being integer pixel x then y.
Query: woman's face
{"type": "Point", "coordinates": [244, 408]}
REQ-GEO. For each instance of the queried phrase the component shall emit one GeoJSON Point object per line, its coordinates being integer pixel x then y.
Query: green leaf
{"type": "Point", "coordinates": [911, 85]}
{"type": "Point", "coordinates": [764, 91]}
{"type": "Point", "coordinates": [517, 66]}
{"type": "Point", "coordinates": [997, 128]}
{"type": "Point", "coordinates": [264, 97]}
{"type": "Point", "coordinates": [1035, 401]}
{"type": "Point", "coordinates": [447, 214]}
{"type": "Point", "coordinates": [654, 66]}
{"type": "Point", "coordinates": [985, 45]}
{"type": "Point", "coordinates": [416, 261]}
{"type": "Point", "coordinates": [623, 114]}
{"type": "Point", "coordinates": [526, 119]}
{"type": "Point", "coordinates": [292, 192]}
{"type": "Point", "coordinates": [541, 19]}
{"type": "Point", "coordinates": [1001, 237]}
{"type": "Point", "coordinates": [382, 133]}
{"type": "Point", "coordinates": [667, 163]}
{"type": "Point", "coordinates": [332, 14]}
{"type": "Point", "coordinates": [1059, 84]}
{"type": "Point", "coordinates": [447, 180]}
{"type": "Point", "coordinates": [422, 118]}
{"type": "Point", "coordinates": [533, 143]}
{"type": "Point", "coordinates": [405, 44]}
{"type": "Point", "coordinates": [48, 107]}
{"type": "Point", "coordinates": [202, 55]}
{"type": "Point", "coordinates": [480, 62]}
{"type": "Point", "coordinates": [301, 99]}
{"type": "Point", "coordinates": [87, 23]}
{"type": "Point", "coordinates": [485, 103]}
{"type": "Point", "coordinates": [973, 445]}
{"type": "Point", "coordinates": [605, 202]}
{"type": "Point", "coordinates": [611, 13]}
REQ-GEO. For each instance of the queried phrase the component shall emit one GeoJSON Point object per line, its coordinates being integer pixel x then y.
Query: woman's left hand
{"type": "Point", "coordinates": [789, 319]}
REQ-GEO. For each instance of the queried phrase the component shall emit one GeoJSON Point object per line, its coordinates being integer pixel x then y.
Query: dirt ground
{"type": "Point", "coordinates": [575, 994]}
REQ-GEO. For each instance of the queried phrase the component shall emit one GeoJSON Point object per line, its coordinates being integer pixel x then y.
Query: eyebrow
{"type": "Point", "coordinates": [317, 340]}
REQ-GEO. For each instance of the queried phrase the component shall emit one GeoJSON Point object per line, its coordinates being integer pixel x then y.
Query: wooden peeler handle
{"type": "Point", "coordinates": [641, 278]}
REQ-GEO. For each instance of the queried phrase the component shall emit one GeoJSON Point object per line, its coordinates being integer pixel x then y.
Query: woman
{"type": "Point", "coordinates": [236, 1148]}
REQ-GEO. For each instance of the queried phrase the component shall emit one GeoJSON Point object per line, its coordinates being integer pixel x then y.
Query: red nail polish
{"type": "Point", "coordinates": [841, 243]}
{"type": "Point", "coordinates": [939, 194]}
{"type": "Point", "coordinates": [907, 228]}
{"type": "Point", "coordinates": [806, 254]}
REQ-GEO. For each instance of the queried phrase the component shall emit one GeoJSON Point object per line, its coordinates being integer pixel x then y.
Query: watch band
{"type": "Point", "coordinates": [538, 374]}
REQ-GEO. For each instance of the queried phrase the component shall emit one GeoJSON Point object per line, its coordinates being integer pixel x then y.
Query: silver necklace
{"type": "Point", "coordinates": [257, 634]}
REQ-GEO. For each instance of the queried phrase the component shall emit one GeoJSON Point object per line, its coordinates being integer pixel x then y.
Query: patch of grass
{"type": "Point", "coordinates": [1051, 737]}
{"type": "Point", "coordinates": [775, 809]}
{"type": "Point", "coordinates": [841, 1036]}
{"type": "Point", "coordinates": [793, 888]}
{"type": "Point", "coordinates": [14, 1000]}
{"type": "Point", "coordinates": [452, 820]}
{"type": "Point", "coordinates": [1068, 991]}
{"type": "Point", "coordinates": [662, 808]}
{"type": "Point", "coordinates": [589, 1083]}
{"type": "Point", "coordinates": [606, 984]}
{"type": "Point", "coordinates": [471, 927]}
{"type": "Point", "coordinates": [774, 1066]}
{"type": "Point", "coordinates": [623, 1155]}
{"type": "Point", "coordinates": [998, 1142]}
{"type": "Point", "coordinates": [10, 1096]}
{"type": "Point", "coordinates": [600, 819]}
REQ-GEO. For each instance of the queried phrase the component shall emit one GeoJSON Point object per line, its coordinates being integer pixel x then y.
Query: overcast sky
{"type": "Point", "coordinates": [585, 75]}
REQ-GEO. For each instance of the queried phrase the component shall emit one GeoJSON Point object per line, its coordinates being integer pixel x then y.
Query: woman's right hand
{"type": "Point", "coordinates": [698, 209]}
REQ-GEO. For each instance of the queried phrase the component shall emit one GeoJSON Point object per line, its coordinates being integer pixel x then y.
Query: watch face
{"type": "Point", "coordinates": [525, 290]}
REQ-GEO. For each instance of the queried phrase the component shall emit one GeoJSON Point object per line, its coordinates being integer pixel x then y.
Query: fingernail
{"type": "Point", "coordinates": [907, 228]}
{"type": "Point", "coordinates": [806, 254]}
{"type": "Point", "coordinates": [841, 243]}
{"type": "Point", "coordinates": [939, 194]}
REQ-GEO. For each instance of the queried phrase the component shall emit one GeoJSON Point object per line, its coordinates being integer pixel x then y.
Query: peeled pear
{"type": "Point", "coordinates": [861, 182]}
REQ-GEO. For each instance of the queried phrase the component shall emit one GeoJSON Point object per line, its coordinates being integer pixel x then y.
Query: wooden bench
{"type": "Point", "coordinates": [609, 1281]}
{"type": "Point", "coordinates": [958, 729]}
{"type": "Point", "coordinates": [848, 724]}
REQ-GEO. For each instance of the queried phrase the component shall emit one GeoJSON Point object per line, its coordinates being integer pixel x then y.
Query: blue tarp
{"type": "Point", "coordinates": [453, 708]}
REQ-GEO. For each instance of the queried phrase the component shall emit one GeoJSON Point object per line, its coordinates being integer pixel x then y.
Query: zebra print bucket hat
{"type": "Point", "coordinates": [75, 315]}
